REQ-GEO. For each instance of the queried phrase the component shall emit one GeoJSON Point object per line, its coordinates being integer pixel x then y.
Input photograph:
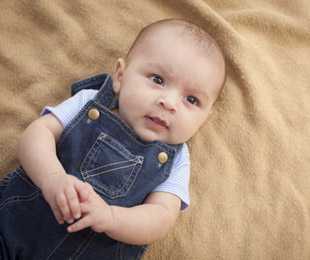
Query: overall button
{"type": "Point", "coordinates": [93, 114]}
{"type": "Point", "coordinates": [162, 157]}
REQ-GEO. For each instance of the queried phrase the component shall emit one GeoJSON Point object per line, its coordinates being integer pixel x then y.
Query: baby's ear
{"type": "Point", "coordinates": [118, 75]}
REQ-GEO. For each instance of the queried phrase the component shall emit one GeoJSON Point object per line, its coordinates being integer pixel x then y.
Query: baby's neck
{"type": "Point", "coordinates": [115, 111]}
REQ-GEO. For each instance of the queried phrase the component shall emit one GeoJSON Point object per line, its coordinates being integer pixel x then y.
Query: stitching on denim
{"type": "Point", "coordinates": [140, 160]}
{"type": "Point", "coordinates": [20, 199]}
{"type": "Point", "coordinates": [133, 161]}
{"type": "Point", "coordinates": [59, 244]}
{"type": "Point", "coordinates": [119, 250]}
{"type": "Point", "coordinates": [141, 252]}
{"type": "Point", "coordinates": [117, 149]}
{"type": "Point", "coordinates": [167, 166]}
{"type": "Point", "coordinates": [166, 173]}
{"type": "Point", "coordinates": [88, 175]}
{"type": "Point", "coordinates": [89, 81]}
{"type": "Point", "coordinates": [109, 165]}
{"type": "Point", "coordinates": [83, 246]}
{"type": "Point", "coordinates": [112, 194]}
{"type": "Point", "coordinates": [103, 92]}
{"type": "Point", "coordinates": [5, 182]}
{"type": "Point", "coordinates": [122, 247]}
{"type": "Point", "coordinates": [101, 95]}
{"type": "Point", "coordinates": [6, 179]}
{"type": "Point", "coordinates": [120, 188]}
{"type": "Point", "coordinates": [22, 175]}
{"type": "Point", "coordinates": [75, 121]}
{"type": "Point", "coordinates": [115, 145]}
{"type": "Point", "coordinates": [93, 151]}
{"type": "Point", "coordinates": [90, 155]}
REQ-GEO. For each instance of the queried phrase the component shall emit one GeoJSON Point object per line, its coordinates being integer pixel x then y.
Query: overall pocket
{"type": "Point", "coordinates": [110, 168]}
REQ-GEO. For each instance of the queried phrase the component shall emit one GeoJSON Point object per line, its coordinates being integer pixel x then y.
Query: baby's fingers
{"type": "Point", "coordinates": [84, 222]}
{"type": "Point", "coordinates": [64, 208]}
{"type": "Point", "coordinates": [83, 190]}
{"type": "Point", "coordinates": [57, 213]}
{"type": "Point", "coordinates": [73, 204]}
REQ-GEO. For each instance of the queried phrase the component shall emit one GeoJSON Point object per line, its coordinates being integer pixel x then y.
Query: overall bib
{"type": "Point", "coordinates": [99, 148]}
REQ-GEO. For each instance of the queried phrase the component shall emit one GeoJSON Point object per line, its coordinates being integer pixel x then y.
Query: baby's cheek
{"type": "Point", "coordinates": [187, 130]}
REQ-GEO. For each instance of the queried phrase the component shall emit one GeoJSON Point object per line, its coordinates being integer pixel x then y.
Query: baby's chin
{"type": "Point", "coordinates": [151, 136]}
{"type": "Point", "coordinates": [169, 142]}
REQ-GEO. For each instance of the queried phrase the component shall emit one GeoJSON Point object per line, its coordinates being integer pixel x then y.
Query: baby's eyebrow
{"type": "Point", "coordinates": [199, 92]}
{"type": "Point", "coordinates": [159, 67]}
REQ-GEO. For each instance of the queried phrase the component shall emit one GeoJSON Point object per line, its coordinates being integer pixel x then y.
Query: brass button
{"type": "Point", "coordinates": [162, 157]}
{"type": "Point", "coordinates": [93, 114]}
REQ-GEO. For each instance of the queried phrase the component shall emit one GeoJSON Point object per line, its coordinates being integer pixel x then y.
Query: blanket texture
{"type": "Point", "coordinates": [250, 175]}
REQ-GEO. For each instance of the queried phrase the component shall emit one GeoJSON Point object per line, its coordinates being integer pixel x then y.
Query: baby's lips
{"type": "Point", "coordinates": [159, 121]}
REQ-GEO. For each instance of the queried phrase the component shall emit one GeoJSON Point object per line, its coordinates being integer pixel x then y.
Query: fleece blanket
{"type": "Point", "coordinates": [250, 173]}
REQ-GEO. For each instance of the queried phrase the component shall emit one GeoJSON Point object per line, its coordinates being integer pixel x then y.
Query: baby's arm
{"type": "Point", "coordinates": [37, 153]}
{"type": "Point", "coordinates": [138, 225]}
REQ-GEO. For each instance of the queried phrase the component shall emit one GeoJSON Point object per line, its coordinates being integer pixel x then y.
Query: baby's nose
{"type": "Point", "coordinates": [168, 103]}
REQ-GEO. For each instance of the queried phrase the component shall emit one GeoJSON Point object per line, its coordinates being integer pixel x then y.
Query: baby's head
{"type": "Point", "coordinates": [169, 81]}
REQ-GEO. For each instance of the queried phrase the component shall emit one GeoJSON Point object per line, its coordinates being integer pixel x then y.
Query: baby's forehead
{"type": "Point", "coordinates": [192, 36]}
{"type": "Point", "coordinates": [163, 37]}
{"type": "Point", "coordinates": [171, 32]}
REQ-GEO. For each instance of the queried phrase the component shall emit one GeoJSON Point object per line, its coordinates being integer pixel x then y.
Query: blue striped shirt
{"type": "Point", "coordinates": [178, 181]}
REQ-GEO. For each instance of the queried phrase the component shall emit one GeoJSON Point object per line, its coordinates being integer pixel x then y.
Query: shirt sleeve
{"type": "Point", "coordinates": [68, 109]}
{"type": "Point", "coordinates": [178, 181]}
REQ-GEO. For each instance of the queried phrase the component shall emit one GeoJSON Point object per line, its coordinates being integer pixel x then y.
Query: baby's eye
{"type": "Point", "coordinates": [157, 79]}
{"type": "Point", "coordinates": [192, 100]}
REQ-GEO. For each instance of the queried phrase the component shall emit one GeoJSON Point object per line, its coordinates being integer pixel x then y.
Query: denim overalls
{"type": "Point", "coordinates": [96, 147]}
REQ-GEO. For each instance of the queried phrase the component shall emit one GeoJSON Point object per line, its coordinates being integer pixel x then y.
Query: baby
{"type": "Point", "coordinates": [106, 172]}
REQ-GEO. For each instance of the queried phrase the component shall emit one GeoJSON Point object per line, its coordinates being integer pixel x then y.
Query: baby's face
{"type": "Point", "coordinates": [167, 89]}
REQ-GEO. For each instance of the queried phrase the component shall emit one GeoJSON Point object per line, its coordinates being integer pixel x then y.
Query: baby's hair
{"type": "Point", "coordinates": [188, 31]}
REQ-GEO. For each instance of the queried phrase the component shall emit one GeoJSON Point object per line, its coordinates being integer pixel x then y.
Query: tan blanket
{"type": "Point", "coordinates": [250, 181]}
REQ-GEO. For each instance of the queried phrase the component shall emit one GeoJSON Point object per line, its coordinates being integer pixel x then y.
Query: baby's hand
{"type": "Point", "coordinates": [96, 213]}
{"type": "Point", "coordinates": [64, 193]}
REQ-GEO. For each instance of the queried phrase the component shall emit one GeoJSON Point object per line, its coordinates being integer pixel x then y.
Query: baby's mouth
{"type": "Point", "coordinates": [157, 123]}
